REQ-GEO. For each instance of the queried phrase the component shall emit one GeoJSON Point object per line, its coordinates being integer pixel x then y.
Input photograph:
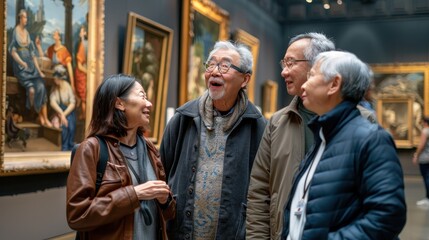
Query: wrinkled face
{"type": "Point", "coordinates": [225, 86]}
{"type": "Point", "coordinates": [136, 107]}
{"type": "Point", "coordinates": [315, 91]}
{"type": "Point", "coordinates": [296, 74]}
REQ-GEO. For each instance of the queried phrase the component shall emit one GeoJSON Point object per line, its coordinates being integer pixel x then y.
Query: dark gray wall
{"type": "Point", "coordinates": [164, 12]}
{"type": "Point", "coordinates": [378, 41]}
{"type": "Point", "coordinates": [391, 40]}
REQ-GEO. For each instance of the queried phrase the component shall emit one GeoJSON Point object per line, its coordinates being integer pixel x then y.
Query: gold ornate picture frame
{"type": "Point", "coordinates": [393, 82]}
{"type": "Point", "coordinates": [395, 115]}
{"type": "Point", "coordinates": [253, 44]}
{"type": "Point", "coordinates": [203, 23]}
{"type": "Point", "coordinates": [46, 161]}
{"type": "Point", "coordinates": [147, 57]}
{"type": "Point", "coordinates": [269, 98]}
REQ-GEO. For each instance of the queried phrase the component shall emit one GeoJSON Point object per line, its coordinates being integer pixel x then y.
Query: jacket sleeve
{"type": "Point", "coordinates": [258, 198]}
{"type": "Point", "coordinates": [86, 210]}
{"type": "Point", "coordinates": [168, 209]}
{"type": "Point", "coordinates": [381, 191]}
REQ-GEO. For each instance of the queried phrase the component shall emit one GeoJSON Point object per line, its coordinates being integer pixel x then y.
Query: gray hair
{"type": "Point", "coordinates": [246, 58]}
{"type": "Point", "coordinates": [356, 75]}
{"type": "Point", "coordinates": [318, 43]}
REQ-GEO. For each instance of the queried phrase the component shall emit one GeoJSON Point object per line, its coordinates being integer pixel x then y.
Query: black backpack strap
{"type": "Point", "coordinates": [102, 162]}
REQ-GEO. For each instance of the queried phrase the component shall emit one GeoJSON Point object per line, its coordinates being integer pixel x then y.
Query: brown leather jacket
{"type": "Point", "coordinates": [110, 213]}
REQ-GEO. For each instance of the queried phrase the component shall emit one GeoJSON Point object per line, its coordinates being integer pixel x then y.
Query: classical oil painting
{"type": "Point", "coordinates": [253, 43]}
{"type": "Point", "coordinates": [204, 23]}
{"type": "Point", "coordinates": [147, 57]}
{"type": "Point", "coordinates": [396, 117]}
{"type": "Point", "coordinates": [396, 82]}
{"type": "Point", "coordinates": [46, 81]}
{"type": "Point", "coordinates": [40, 41]}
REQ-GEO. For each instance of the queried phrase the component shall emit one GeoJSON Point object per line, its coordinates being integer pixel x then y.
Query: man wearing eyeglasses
{"type": "Point", "coordinates": [208, 150]}
{"type": "Point", "coordinates": [285, 141]}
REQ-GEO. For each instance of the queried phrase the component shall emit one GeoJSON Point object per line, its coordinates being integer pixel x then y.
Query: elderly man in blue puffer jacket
{"type": "Point", "coordinates": [350, 185]}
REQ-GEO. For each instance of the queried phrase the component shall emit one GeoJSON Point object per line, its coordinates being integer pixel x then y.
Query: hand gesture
{"type": "Point", "coordinates": [156, 189]}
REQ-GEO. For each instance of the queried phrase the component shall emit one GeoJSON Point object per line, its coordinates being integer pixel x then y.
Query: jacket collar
{"type": "Point", "coordinates": [334, 120]}
{"type": "Point", "coordinates": [190, 109]}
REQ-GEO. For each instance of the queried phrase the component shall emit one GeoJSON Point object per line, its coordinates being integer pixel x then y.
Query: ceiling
{"type": "Point", "coordinates": [301, 11]}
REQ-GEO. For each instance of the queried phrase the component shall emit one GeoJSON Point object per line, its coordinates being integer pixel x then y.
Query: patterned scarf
{"type": "Point", "coordinates": [206, 110]}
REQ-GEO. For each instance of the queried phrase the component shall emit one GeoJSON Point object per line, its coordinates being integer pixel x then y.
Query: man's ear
{"type": "Point", "coordinates": [335, 85]}
{"type": "Point", "coordinates": [119, 104]}
{"type": "Point", "coordinates": [246, 80]}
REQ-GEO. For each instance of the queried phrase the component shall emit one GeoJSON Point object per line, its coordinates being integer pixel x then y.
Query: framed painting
{"type": "Point", "coordinates": [147, 57]}
{"type": "Point", "coordinates": [269, 98]}
{"type": "Point", "coordinates": [404, 81]}
{"type": "Point", "coordinates": [253, 44]}
{"type": "Point", "coordinates": [395, 115]}
{"type": "Point", "coordinates": [203, 23]}
{"type": "Point", "coordinates": [38, 38]}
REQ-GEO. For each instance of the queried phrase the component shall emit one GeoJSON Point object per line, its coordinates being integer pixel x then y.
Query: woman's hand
{"type": "Point", "coordinates": [63, 120]}
{"type": "Point", "coordinates": [156, 189]}
{"type": "Point", "coordinates": [24, 65]}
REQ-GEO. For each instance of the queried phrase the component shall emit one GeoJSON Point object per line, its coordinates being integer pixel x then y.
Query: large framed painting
{"type": "Point", "coordinates": [147, 57]}
{"type": "Point", "coordinates": [203, 23]}
{"type": "Point", "coordinates": [403, 81]}
{"type": "Point", "coordinates": [52, 60]}
{"type": "Point", "coordinates": [253, 44]}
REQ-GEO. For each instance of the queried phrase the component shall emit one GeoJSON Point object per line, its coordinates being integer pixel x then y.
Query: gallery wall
{"type": "Point", "coordinates": [250, 19]}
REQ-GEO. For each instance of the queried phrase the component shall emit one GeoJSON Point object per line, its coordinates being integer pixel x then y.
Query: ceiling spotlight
{"type": "Point", "coordinates": [309, 1]}
{"type": "Point", "coordinates": [339, 2]}
{"type": "Point", "coordinates": [326, 4]}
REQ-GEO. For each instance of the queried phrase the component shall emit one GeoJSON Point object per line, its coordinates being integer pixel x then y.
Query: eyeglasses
{"type": "Point", "coordinates": [223, 67]}
{"type": "Point", "coordinates": [290, 62]}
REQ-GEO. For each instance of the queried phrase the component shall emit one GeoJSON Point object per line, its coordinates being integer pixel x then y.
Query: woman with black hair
{"type": "Point", "coordinates": [133, 200]}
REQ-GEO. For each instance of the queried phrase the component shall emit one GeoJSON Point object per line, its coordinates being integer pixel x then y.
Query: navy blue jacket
{"type": "Point", "coordinates": [179, 154]}
{"type": "Point", "coordinates": [357, 191]}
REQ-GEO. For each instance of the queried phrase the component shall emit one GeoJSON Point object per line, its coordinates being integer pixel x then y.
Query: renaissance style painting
{"type": "Point", "coordinates": [397, 85]}
{"type": "Point", "coordinates": [147, 57]}
{"type": "Point", "coordinates": [45, 80]}
{"type": "Point", "coordinates": [396, 117]}
{"type": "Point", "coordinates": [43, 36]}
{"type": "Point", "coordinates": [253, 43]}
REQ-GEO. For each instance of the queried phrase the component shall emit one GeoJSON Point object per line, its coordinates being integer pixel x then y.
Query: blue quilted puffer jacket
{"type": "Point", "coordinates": [357, 191]}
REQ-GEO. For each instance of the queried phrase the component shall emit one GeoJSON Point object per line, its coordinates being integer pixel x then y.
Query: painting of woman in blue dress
{"type": "Point", "coordinates": [27, 71]}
